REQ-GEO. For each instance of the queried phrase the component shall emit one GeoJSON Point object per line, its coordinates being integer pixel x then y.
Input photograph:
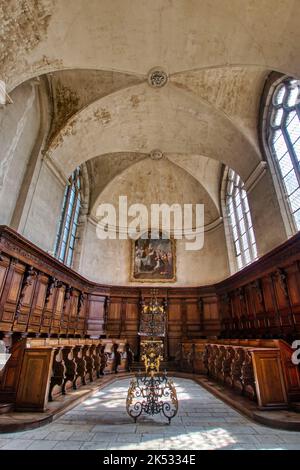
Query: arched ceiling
{"type": "Point", "coordinates": [153, 182]}
{"type": "Point", "coordinates": [235, 91]}
{"type": "Point", "coordinates": [97, 56]}
{"type": "Point", "coordinates": [232, 92]}
{"type": "Point", "coordinates": [105, 169]}
{"type": "Point", "coordinates": [140, 119]}
{"type": "Point", "coordinates": [205, 170]}
{"type": "Point", "coordinates": [135, 35]}
{"type": "Point", "coordinates": [72, 90]}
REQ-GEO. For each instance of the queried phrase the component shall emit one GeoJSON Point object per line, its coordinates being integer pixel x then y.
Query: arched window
{"type": "Point", "coordinates": [240, 222]}
{"type": "Point", "coordinates": [65, 240]}
{"type": "Point", "coordinates": [283, 135]}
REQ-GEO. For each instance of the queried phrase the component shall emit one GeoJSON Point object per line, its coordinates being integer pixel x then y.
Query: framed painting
{"type": "Point", "coordinates": [153, 259]}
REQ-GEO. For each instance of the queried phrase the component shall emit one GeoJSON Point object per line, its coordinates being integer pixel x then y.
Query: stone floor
{"type": "Point", "coordinates": [101, 422]}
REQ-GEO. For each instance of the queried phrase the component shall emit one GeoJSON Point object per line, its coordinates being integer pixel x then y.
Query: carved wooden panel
{"type": "Point", "coordinates": [10, 295]}
{"type": "Point", "coordinates": [73, 312]}
{"type": "Point", "coordinates": [15, 284]}
{"type": "Point", "coordinates": [82, 304]}
{"type": "Point", "coordinates": [96, 317]}
{"type": "Point", "coordinates": [11, 372]}
{"type": "Point", "coordinates": [254, 368]}
{"type": "Point", "coordinates": [114, 311]}
{"type": "Point", "coordinates": [270, 301]}
{"type": "Point", "coordinates": [269, 378]}
{"type": "Point", "coordinates": [4, 265]}
{"type": "Point", "coordinates": [33, 387]}
{"type": "Point", "coordinates": [36, 313]}
{"type": "Point", "coordinates": [39, 295]}
{"type": "Point", "coordinates": [193, 318]}
{"type": "Point", "coordinates": [131, 323]}
{"type": "Point", "coordinates": [174, 328]}
{"type": "Point", "coordinates": [211, 316]}
{"type": "Point", "coordinates": [291, 371]}
{"type": "Point", "coordinates": [58, 311]}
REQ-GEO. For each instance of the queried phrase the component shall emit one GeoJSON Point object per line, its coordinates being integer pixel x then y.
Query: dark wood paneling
{"type": "Point", "coordinates": [39, 295]}
{"type": "Point", "coordinates": [263, 300]}
{"type": "Point", "coordinates": [33, 386]}
{"type": "Point", "coordinates": [96, 316]}
{"type": "Point", "coordinates": [260, 369]}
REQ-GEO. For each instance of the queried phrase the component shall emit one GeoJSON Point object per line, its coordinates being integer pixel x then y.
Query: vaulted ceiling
{"type": "Point", "coordinates": [97, 56]}
{"type": "Point", "coordinates": [134, 35]}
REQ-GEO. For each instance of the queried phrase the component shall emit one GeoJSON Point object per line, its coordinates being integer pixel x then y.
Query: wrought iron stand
{"type": "Point", "coordinates": [153, 392]}
{"type": "Point", "coordinates": [152, 395]}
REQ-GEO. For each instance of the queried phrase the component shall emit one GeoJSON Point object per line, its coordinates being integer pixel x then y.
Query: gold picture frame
{"type": "Point", "coordinates": [153, 259]}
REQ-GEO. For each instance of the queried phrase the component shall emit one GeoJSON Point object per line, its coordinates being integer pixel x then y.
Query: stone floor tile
{"type": "Point", "coordinates": [68, 445]}
{"type": "Point", "coordinates": [240, 447]}
{"type": "Point", "coordinates": [104, 436]}
{"type": "Point", "coordinates": [238, 420]}
{"type": "Point", "coordinates": [35, 434]}
{"type": "Point", "coordinates": [16, 444]}
{"type": "Point", "coordinates": [94, 446]}
{"type": "Point", "coordinates": [82, 436]}
{"type": "Point", "coordinates": [116, 428]}
{"type": "Point", "coordinates": [244, 438]}
{"type": "Point", "coordinates": [3, 442]}
{"type": "Point", "coordinates": [11, 435]}
{"type": "Point", "coordinates": [289, 439]}
{"type": "Point", "coordinates": [239, 429]}
{"type": "Point", "coordinates": [202, 422]}
{"type": "Point", "coordinates": [59, 435]}
{"type": "Point", "coordinates": [128, 438]}
{"type": "Point", "coordinates": [291, 446]}
{"type": "Point", "coordinates": [42, 445]}
{"type": "Point", "coordinates": [78, 427]}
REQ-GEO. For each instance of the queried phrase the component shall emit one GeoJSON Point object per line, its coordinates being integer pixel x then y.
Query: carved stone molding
{"type": "Point", "coordinates": [157, 77]}
{"type": "Point", "coordinates": [156, 155]}
{"type": "Point", "coordinates": [256, 176]}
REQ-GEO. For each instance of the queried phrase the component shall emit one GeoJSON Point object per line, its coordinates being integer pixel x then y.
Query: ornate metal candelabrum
{"type": "Point", "coordinates": [153, 317]}
{"type": "Point", "coordinates": [152, 392]}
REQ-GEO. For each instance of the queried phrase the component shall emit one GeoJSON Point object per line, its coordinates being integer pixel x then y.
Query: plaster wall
{"type": "Point", "coordinates": [136, 35]}
{"type": "Point", "coordinates": [44, 214]}
{"type": "Point", "coordinates": [266, 216]}
{"type": "Point", "coordinates": [19, 125]}
{"type": "Point", "coordinates": [109, 261]}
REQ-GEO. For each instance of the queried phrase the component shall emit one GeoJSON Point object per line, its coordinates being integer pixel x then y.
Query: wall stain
{"type": "Point", "coordinates": [135, 101]}
{"type": "Point", "coordinates": [66, 131]}
{"type": "Point", "coordinates": [102, 115]}
{"type": "Point", "coordinates": [24, 23]}
{"type": "Point", "coordinates": [45, 61]}
{"type": "Point", "coordinates": [66, 103]}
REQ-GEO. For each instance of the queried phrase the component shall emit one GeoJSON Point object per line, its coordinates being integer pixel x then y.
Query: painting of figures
{"type": "Point", "coordinates": [153, 260]}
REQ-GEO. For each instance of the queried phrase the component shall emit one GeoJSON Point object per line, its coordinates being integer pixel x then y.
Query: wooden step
{"type": "Point", "coordinates": [6, 408]}
{"type": "Point", "coordinates": [296, 406]}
